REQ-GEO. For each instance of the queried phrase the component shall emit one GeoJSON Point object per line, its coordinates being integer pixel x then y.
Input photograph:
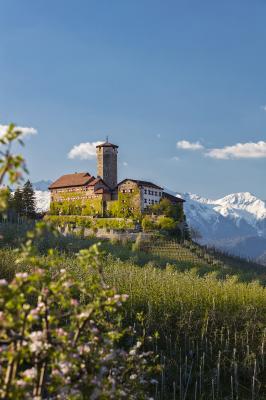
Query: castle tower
{"type": "Point", "coordinates": [107, 163]}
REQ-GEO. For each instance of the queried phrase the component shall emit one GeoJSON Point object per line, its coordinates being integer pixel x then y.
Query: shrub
{"type": "Point", "coordinates": [167, 223]}
{"type": "Point", "coordinates": [166, 208]}
{"type": "Point", "coordinates": [60, 340]}
{"type": "Point", "coordinates": [148, 224]}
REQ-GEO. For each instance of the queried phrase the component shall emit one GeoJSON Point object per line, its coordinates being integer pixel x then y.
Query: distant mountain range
{"type": "Point", "coordinates": [42, 185]}
{"type": "Point", "coordinates": [235, 223]}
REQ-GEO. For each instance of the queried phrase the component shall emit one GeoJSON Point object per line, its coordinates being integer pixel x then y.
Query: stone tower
{"type": "Point", "coordinates": [107, 163]}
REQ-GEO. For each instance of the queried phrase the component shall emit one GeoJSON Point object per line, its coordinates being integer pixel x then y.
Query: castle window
{"type": "Point", "coordinates": [145, 191]}
{"type": "Point", "coordinates": [145, 201]}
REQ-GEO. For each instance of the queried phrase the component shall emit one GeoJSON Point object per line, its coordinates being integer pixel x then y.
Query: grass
{"type": "Point", "coordinates": [207, 314]}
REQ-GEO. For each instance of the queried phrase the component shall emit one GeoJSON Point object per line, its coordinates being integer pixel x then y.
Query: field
{"type": "Point", "coordinates": [205, 311]}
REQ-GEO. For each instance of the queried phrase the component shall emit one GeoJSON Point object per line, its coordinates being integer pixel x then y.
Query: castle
{"type": "Point", "coordinates": [83, 194]}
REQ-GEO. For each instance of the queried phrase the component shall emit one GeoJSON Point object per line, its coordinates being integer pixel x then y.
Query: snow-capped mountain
{"type": "Point", "coordinates": [241, 213]}
{"type": "Point", "coordinates": [42, 200]}
{"type": "Point", "coordinates": [235, 223]}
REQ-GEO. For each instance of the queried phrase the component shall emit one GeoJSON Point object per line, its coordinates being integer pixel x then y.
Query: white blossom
{"type": "Point", "coordinates": [37, 339]}
{"type": "Point", "coordinates": [30, 373]}
{"type": "Point", "coordinates": [65, 367]}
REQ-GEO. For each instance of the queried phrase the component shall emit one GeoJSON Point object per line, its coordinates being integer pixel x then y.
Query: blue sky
{"type": "Point", "coordinates": [147, 73]}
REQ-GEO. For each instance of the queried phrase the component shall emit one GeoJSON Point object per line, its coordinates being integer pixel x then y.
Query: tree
{"type": "Point", "coordinates": [28, 198]}
{"type": "Point", "coordinates": [148, 224]}
{"type": "Point", "coordinates": [195, 234]}
{"type": "Point", "coordinates": [18, 204]}
{"type": "Point", "coordinates": [168, 209]}
{"type": "Point", "coordinates": [186, 231]}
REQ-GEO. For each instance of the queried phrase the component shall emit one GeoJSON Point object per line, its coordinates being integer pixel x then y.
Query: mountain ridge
{"type": "Point", "coordinates": [235, 223]}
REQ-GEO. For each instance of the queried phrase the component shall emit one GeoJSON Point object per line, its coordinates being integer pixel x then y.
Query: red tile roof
{"type": "Point", "coordinates": [69, 180]}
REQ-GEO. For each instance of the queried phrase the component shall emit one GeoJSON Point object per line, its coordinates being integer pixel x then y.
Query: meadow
{"type": "Point", "coordinates": [206, 314]}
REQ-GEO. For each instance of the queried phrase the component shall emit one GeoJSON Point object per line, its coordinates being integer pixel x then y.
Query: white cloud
{"type": "Point", "coordinates": [238, 151]}
{"type": "Point", "coordinates": [84, 151]}
{"type": "Point", "coordinates": [26, 131]}
{"type": "Point", "coordinates": [186, 145]}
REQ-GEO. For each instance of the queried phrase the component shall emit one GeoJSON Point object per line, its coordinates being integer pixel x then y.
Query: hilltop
{"type": "Point", "coordinates": [235, 223]}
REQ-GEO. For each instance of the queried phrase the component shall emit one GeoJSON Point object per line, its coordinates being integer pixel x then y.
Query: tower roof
{"type": "Point", "coordinates": [107, 144]}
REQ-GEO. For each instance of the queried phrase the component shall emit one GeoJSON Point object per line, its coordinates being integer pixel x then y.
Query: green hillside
{"type": "Point", "coordinates": [203, 313]}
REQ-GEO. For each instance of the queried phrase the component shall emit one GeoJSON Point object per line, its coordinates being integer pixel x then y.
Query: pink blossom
{"type": "Point", "coordinates": [30, 373]}
{"type": "Point", "coordinates": [21, 383]}
{"type": "Point", "coordinates": [61, 332]}
{"type": "Point", "coordinates": [22, 275]}
{"type": "Point", "coordinates": [65, 367]}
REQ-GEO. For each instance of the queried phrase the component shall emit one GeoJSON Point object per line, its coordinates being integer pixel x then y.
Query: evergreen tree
{"type": "Point", "coordinates": [28, 198]}
{"type": "Point", "coordinates": [17, 203]}
{"type": "Point", "coordinates": [186, 231]}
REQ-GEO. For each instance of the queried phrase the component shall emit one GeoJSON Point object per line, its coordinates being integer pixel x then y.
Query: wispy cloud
{"type": "Point", "coordinates": [26, 131]}
{"type": "Point", "coordinates": [84, 151]}
{"type": "Point", "coordinates": [238, 151]}
{"type": "Point", "coordinates": [234, 152]}
{"type": "Point", "coordinates": [125, 164]}
{"type": "Point", "coordinates": [186, 145]}
{"type": "Point", "coordinates": [263, 107]}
